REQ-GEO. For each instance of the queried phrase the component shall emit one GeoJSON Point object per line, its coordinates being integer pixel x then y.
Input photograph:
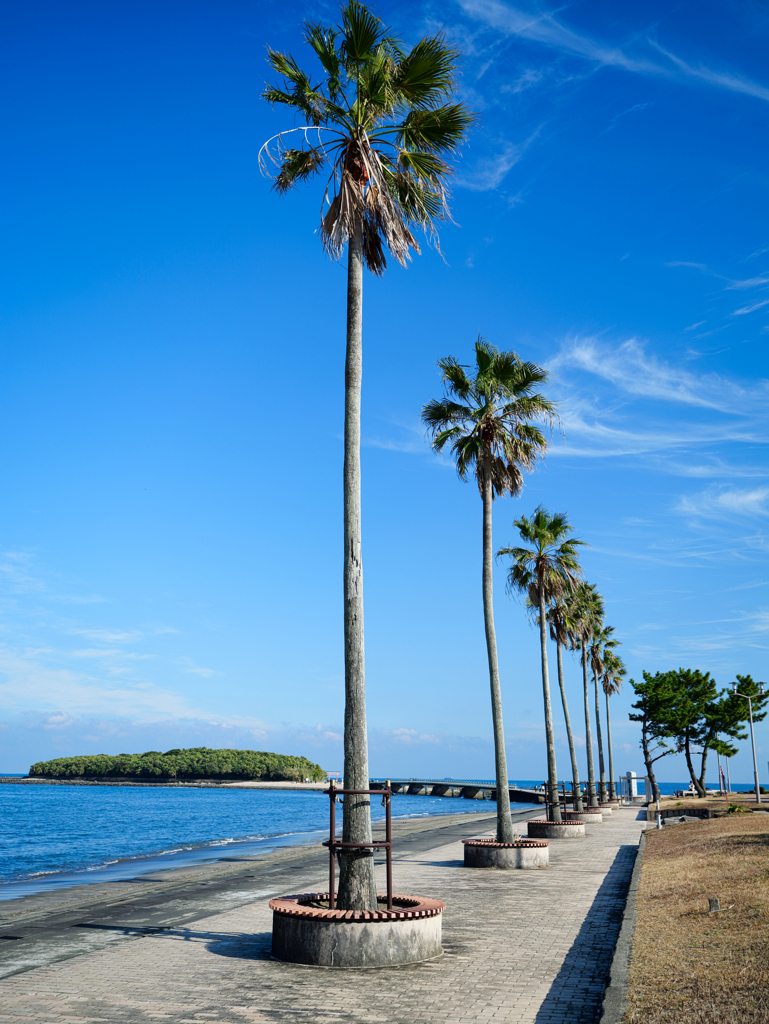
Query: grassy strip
{"type": "Point", "coordinates": [689, 965]}
{"type": "Point", "coordinates": [692, 804]}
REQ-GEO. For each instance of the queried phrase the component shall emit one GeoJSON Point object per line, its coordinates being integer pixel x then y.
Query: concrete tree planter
{"type": "Point", "coordinates": [556, 829]}
{"type": "Point", "coordinates": [605, 809]}
{"type": "Point", "coordinates": [526, 853]}
{"type": "Point", "coordinates": [590, 816]}
{"type": "Point", "coordinates": [305, 931]}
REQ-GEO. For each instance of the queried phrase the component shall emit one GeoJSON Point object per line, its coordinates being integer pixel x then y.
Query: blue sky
{"type": "Point", "coordinates": [171, 379]}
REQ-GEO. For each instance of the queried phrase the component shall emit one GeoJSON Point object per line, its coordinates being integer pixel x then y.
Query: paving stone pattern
{"type": "Point", "coordinates": [519, 946]}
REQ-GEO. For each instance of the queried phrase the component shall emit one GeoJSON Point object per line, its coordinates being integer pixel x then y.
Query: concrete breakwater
{"type": "Point", "coordinates": [469, 789]}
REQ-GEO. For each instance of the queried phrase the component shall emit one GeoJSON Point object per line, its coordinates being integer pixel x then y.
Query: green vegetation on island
{"type": "Point", "coordinates": [189, 763]}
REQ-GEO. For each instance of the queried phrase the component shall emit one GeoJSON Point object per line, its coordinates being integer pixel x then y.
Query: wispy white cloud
{"type": "Point", "coordinates": [750, 282]}
{"type": "Point", "coordinates": [751, 308]}
{"type": "Point", "coordinates": [732, 284]}
{"type": "Point", "coordinates": [720, 79]}
{"type": "Point", "coordinates": [717, 468]}
{"type": "Point", "coordinates": [725, 503]}
{"type": "Point", "coordinates": [527, 79]}
{"type": "Point", "coordinates": [28, 680]}
{"type": "Point", "coordinates": [491, 170]}
{"type": "Point", "coordinates": [108, 636]}
{"type": "Point", "coordinates": [631, 368]}
{"type": "Point", "coordinates": [624, 113]}
{"type": "Point", "coordinates": [754, 255]}
{"type": "Point", "coordinates": [412, 736]}
{"type": "Point", "coordinates": [544, 27]}
{"type": "Point", "coordinates": [597, 430]}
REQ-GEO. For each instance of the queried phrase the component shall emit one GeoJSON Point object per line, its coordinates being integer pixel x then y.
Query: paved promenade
{"type": "Point", "coordinates": [520, 946]}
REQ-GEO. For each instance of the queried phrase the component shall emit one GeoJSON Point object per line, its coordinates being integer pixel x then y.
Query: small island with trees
{"type": "Point", "coordinates": [190, 763]}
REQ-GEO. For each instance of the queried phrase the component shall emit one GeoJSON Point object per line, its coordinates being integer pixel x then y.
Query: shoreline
{"type": "Point", "coordinates": [167, 783]}
{"type": "Point", "coordinates": [88, 893]}
{"type": "Point", "coordinates": [208, 854]}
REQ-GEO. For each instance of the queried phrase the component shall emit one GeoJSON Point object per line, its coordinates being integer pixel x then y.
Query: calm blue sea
{"type": "Point", "coordinates": [61, 836]}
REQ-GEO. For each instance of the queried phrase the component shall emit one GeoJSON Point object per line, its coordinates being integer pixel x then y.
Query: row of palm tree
{"type": "Point", "coordinates": [487, 420]}
{"type": "Point", "coordinates": [550, 576]}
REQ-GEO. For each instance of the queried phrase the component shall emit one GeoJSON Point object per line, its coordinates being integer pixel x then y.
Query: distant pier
{"type": "Point", "coordinates": [469, 789]}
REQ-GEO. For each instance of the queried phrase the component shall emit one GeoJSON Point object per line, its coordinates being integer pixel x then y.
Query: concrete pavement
{"type": "Point", "coordinates": [519, 946]}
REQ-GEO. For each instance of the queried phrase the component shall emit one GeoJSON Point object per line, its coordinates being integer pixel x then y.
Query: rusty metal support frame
{"type": "Point", "coordinates": [334, 844]}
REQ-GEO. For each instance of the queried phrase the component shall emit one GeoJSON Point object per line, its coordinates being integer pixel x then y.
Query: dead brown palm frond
{"type": "Point", "coordinates": [362, 199]}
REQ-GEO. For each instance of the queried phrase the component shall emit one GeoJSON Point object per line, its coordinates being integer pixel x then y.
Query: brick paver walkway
{"type": "Point", "coordinates": [520, 946]}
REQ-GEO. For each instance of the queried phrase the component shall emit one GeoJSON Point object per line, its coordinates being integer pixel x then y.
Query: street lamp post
{"type": "Point", "coordinates": [752, 738]}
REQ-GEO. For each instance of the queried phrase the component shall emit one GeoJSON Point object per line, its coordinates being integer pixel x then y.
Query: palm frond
{"type": "Point", "coordinates": [420, 203]}
{"type": "Point", "coordinates": [323, 42]}
{"type": "Point", "coordinates": [298, 165]}
{"type": "Point", "coordinates": [427, 74]}
{"type": "Point", "coordinates": [423, 166]}
{"type": "Point", "coordinates": [303, 96]}
{"type": "Point", "coordinates": [361, 32]}
{"type": "Point", "coordinates": [454, 377]}
{"type": "Point", "coordinates": [435, 131]}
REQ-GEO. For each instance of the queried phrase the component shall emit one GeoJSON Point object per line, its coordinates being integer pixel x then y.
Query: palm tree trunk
{"type": "Point", "coordinates": [591, 797]}
{"type": "Point", "coordinates": [553, 806]}
{"type": "Point", "coordinates": [504, 821]}
{"type": "Point", "coordinates": [612, 787]}
{"type": "Point", "coordinates": [357, 889]}
{"type": "Point", "coordinates": [569, 733]}
{"type": "Point", "coordinates": [601, 768]}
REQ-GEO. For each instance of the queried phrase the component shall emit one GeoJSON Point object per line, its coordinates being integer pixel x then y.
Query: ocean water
{"type": "Point", "coordinates": [60, 836]}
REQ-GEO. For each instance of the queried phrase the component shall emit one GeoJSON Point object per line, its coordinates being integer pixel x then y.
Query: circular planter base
{"type": "Point", "coordinates": [486, 853]}
{"type": "Point", "coordinates": [591, 817]}
{"type": "Point", "coordinates": [556, 829]}
{"type": "Point", "coordinates": [605, 809]}
{"type": "Point", "coordinates": [305, 931]}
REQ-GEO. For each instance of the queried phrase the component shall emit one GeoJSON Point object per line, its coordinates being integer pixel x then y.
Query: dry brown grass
{"type": "Point", "coordinates": [690, 966]}
{"type": "Point", "coordinates": [720, 803]}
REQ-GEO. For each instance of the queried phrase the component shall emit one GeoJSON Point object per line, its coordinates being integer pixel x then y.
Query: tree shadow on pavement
{"type": "Point", "coordinates": [576, 995]}
{"type": "Point", "coordinates": [243, 945]}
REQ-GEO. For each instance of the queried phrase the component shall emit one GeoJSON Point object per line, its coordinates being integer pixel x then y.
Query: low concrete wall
{"type": "Point", "coordinates": [556, 829]}
{"type": "Point", "coordinates": [589, 817]}
{"type": "Point", "coordinates": [689, 808]}
{"type": "Point", "coordinates": [318, 937]}
{"type": "Point", "coordinates": [485, 854]}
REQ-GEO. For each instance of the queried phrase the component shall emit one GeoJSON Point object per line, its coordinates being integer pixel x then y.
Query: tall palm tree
{"type": "Point", "coordinates": [485, 417]}
{"type": "Point", "coordinates": [561, 629]}
{"type": "Point", "coordinates": [614, 670]}
{"type": "Point", "coordinates": [544, 572]}
{"type": "Point", "coordinates": [379, 120]}
{"type": "Point", "coordinates": [586, 611]}
{"type": "Point", "coordinates": [600, 642]}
